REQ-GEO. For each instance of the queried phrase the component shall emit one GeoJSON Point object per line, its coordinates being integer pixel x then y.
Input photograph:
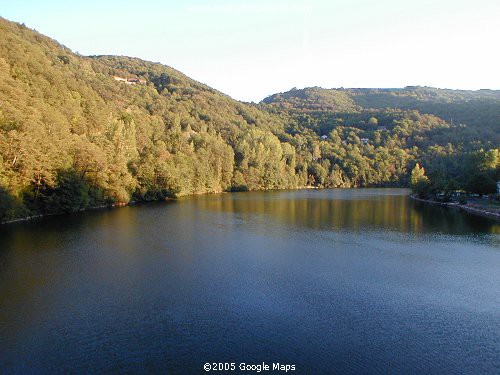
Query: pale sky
{"type": "Point", "coordinates": [251, 49]}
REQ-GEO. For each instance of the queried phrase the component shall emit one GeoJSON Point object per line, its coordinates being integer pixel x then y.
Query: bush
{"type": "Point", "coordinates": [7, 206]}
{"type": "Point", "coordinates": [235, 188]}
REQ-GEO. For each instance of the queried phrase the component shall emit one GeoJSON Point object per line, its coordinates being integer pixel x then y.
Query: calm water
{"type": "Point", "coordinates": [332, 281]}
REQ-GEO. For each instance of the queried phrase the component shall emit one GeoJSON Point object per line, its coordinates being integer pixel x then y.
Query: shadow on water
{"type": "Point", "coordinates": [453, 220]}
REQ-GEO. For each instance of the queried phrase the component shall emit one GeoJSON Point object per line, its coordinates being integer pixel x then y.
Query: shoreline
{"type": "Point", "coordinates": [33, 217]}
{"type": "Point", "coordinates": [469, 209]}
{"type": "Point", "coordinates": [464, 207]}
{"type": "Point", "coordinates": [131, 203]}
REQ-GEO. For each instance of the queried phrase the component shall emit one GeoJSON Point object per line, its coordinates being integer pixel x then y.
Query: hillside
{"type": "Point", "coordinates": [64, 116]}
{"type": "Point", "coordinates": [470, 111]}
{"type": "Point", "coordinates": [75, 134]}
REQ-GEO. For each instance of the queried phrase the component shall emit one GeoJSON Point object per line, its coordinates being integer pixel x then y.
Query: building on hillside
{"type": "Point", "coordinates": [324, 137]}
{"type": "Point", "coordinates": [364, 140]}
{"type": "Point", "coordinates": [130, 81]}
{"type": "Point", "coordinates": [134, 81]}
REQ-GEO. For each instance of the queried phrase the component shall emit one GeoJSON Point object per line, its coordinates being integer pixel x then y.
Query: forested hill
{"type": "Point", "coordinates": [71, 135]}
{"type": "Point", "coordinates": [78, 131]}
{"type": "Point", "coordinates": [455, 134]}
{"type": "Point", "coordinates": [477, 110]}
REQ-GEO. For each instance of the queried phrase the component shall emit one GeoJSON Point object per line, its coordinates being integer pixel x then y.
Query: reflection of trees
{"type": "Point", "coordinates": [392, 212]}
{"type": "Point", "coordinates": [320, 211]}
{"type": "Point", "coordinates": [452, 220]}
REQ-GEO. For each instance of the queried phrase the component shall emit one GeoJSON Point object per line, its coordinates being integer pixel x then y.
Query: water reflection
{"type": "Point", "coordinates": [360, 210]}
{"type": "Point", "coordinates": [343, 281]}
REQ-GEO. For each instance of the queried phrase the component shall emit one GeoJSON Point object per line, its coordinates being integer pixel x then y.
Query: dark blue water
{"type": "Point", "coordinates": [331, 281]}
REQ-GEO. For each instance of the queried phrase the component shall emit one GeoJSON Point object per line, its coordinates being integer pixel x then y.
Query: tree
{"type": "Point", "coordinates": [420, 182]}
{"type": "Point", "coordinates": [71, 136]}
{"type": "Point", "coordinates": [418, 175]}
{"type": "Point", "coordinates": [71, 193]}
{"type": "Point", "coordinates": [481, 183]}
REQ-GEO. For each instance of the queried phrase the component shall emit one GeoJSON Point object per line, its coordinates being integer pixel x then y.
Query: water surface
{"type": "Point", "coordinates": [333, 281]}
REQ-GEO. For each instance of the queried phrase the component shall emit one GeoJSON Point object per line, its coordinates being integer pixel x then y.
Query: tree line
{"type": "Point", "coordinates": [72, 137]}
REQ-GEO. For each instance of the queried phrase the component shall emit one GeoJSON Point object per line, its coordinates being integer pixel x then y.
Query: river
{"type": "Point", "coordinates": [343, 281]}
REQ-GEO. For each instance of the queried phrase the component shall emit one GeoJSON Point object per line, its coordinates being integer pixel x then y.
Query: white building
{"type": "Point", "coordinates": [130, 81]}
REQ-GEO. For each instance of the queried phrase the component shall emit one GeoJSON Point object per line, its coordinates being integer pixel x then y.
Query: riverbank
{"type": "Point", "coordinates": [100, 207]}
{"type": "Point", "coordinates": [475, 209]}
{"type": "Point", "coordinates": [471, 208]}
{"type": "Point", "coordinates": [121, 204]}
{"type": "Point", "coordinates": [33, 217]}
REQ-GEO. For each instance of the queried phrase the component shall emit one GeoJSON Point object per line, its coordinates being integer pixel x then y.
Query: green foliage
{"type": "Point", "coordinates": [420, 182]}
{"type": "Point", "coordinates": [474, 172]}
{"type": "Point", "coordinates": [71, 193]}
{"type": "Point", "coordinates": [313, 99]}
{"type": "Point", "coordinates": [72, 136]}
{"type": "Point", "coordinates": [481, 183]}
{"type": "Point", "coordinates": [64, 59]}
{"type": "Point", "coordinates": [418, 175]}
{"type": "Point", "coordinates": [8, 206]}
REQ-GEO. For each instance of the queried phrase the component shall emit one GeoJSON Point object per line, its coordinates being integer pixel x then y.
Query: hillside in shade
{"type": "Point", "coordinates": [77, 132]}
{"type": "Point", "coordinates": [478, 111]}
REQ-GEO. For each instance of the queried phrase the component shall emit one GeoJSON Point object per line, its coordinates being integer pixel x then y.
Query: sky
{"type": "Point", "coordinates": [252, 49]}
